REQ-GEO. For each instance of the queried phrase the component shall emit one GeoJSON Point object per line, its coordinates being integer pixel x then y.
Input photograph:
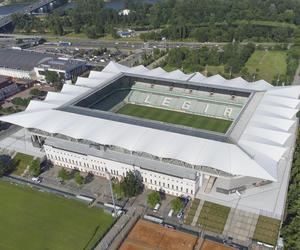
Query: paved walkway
{"type": "Point", "coordinates": [120, 229]}
{"type": "Point", "coordinates": [240, 225]}
{"type": "Point", "coordinates": [197, 214]}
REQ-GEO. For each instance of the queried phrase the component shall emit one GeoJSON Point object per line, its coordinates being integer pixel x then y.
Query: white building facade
{"type": "Point", "coordinates": [170, 184]}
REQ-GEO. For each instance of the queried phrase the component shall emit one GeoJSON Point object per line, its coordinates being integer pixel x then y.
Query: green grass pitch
{"type": "Point", "coordinates": [34, 220]}
{"type": "Point", "coordinates": [174, 117]}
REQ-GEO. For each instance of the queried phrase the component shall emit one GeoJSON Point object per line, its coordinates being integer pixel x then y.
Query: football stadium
{"type": "Point", "coordinates": [185, 134]}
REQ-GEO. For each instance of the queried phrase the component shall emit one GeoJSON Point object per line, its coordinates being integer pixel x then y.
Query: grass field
{"type": "Point", "coordinates": [266, 230]}
{"type": "Point", "coordinates": [34, 220]}
{"type": "Point", "coordinates": [213, 217]}
{"type": "Point", "coordinates": [268, 63]}
{"type": "Point", "coordinates": [22, 161]}
{"type": "Point", "coordinates": [174, 117]}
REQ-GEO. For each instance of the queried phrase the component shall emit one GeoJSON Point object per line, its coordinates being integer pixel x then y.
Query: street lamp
{"type": "Point", "coordinates": [112, 193]}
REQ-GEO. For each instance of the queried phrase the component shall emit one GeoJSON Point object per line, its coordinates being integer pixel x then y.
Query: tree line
{"type": "Point", "coordinates": [233, 56]}
{"type": "Point", "coordinates": [291, 226]}
{"type": "Point", "coordinates": [202, 20]}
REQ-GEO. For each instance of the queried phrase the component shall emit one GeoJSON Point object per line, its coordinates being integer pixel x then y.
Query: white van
{"type": "Point", "coordinates": [157, 206]}
{"type": "Point", "coordinates": [170, 213]}
{"type": "Point", "coordinates": [36, 179]}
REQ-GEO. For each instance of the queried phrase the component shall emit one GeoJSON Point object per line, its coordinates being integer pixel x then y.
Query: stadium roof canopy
{"type": "Point", "coordinates": [255, 151]}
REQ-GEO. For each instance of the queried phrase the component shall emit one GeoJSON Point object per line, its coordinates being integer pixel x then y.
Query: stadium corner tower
{"type": "Point", "coordinates": [182, 133]}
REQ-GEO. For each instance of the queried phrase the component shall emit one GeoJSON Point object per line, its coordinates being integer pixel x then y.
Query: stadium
{"type": "Point", "coordinates": [185, 134]}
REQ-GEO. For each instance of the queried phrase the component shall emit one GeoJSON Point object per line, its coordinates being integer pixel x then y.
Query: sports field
{"type": "Point", "coordinates": [34, 220]}
{"type": "Point", "coordinates": [174, 117]}
{"type": "Point", "coordinates": [267, 64]}
{"type": "Point", "coordinates": [146, 235]}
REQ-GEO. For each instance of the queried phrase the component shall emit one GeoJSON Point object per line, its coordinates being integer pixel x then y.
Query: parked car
{"type": "Point", "coordinates": [180, 215]}
{"type": "Point", "coordinates": [37, 179]}
{"type": "Point", "coordinates": [156, 208]}
{"type": "Point", "coordinates": [170, 214]}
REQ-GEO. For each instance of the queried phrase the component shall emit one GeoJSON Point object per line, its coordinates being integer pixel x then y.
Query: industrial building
{"type": "Point", "coordinates": [26, 64]}
{"type": "Point", "coordinates": [86, 127]}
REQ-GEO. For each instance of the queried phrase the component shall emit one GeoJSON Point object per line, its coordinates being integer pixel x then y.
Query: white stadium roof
{"type": "Point", "coordinates": [255, 153]}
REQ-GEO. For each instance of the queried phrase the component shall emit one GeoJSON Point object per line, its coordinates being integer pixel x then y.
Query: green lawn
{"type": "Point", "coordinates": [213, 217]}
{"type": "Point", "coordinates": [191, 212]}
{"type": "Point", "coordinates": [266, 230]}
{"type": "Point", "coordinates": [34, 220]}
{"type": "Point", "coordinates": [268, 63]}
{"type": "Point", "coordinates": [213, 70]}
{"type": "Point", "coordinates": [21, 161]}
{"type": "Point", "coordinates": [175, 117]}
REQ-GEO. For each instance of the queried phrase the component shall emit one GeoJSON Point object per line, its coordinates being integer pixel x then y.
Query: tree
{"type": "Point", "coordinates": [63, 174]}
{"type": "Point", "coordinates": [177, 204]}
{"type": "Point", "coordinates": [35, 168]}
{"type": "Point", "coordinates": [79, 179]}
{"type": "Point", "coordinates": [6, 165]}
{"type": "Point", "coordinates": [153, 198]}
{"type": "Point", "coordinates": [131, 185]}
{"type": "Point", "coordinates": [51, 76]}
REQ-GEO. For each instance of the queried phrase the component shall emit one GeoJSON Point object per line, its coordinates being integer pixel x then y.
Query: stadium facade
{"type": "Point", "coordinates": [179, 132]}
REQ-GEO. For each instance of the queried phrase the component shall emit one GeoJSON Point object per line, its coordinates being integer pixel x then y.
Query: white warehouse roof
{"type": "Point", "coordinates": [255, 153]}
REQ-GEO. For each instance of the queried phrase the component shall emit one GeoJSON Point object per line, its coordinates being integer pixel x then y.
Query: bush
{"type": "Point", "coordinates": [35, 92]}
{"type": "Point", "coordinates": [20, 101]}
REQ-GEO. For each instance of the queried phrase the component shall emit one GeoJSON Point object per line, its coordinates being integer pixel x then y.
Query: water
{"type": "Point", "coordinates": [9, 9]}
{"type": "Point", "coordinates": [113, 4]}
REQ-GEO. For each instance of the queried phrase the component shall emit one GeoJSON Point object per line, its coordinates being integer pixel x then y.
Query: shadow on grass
{"type": "Point", "coordinates": [92, 237]}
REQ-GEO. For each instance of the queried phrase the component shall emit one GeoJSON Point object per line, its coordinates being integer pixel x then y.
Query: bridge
{"type": "Point", "coordinates": [41, 6]}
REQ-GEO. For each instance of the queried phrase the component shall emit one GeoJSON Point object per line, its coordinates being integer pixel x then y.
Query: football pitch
{"type": "Point", "coordinates": [175, 117]}
{"type": "Point", "coordinates": [31, 219]}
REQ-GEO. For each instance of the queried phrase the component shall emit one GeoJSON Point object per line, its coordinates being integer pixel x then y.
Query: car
{"type": "Point", "coordinates": [180, 215]}
{"type": "Point", "coordinates": [170, 213]}
{"type": "Point", "coordinates": [37, 179]}
{"type": "Point", "coordinates": [156, 208]}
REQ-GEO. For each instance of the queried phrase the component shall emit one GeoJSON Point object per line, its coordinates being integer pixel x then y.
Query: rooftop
{"type": "Point", "coordinates": [22, 59]}
{"type": "Point", "coordinates": [254, 147]}
{"type": "Point", "coordinates": [26, 60]}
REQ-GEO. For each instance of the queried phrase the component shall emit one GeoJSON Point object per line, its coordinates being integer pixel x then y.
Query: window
{"type": "Point", "coordinates": [176, 187]}
{"type": "Point", "coordinates": [145, 179]}
{"type": "Point", "coordinates": [155, 182]}
{"type": "Point", "coordinates": [172, 186]}
{"type": "Point", "coordinates": [191, 191]}
{"type": "Point", "coordinates": [168, 185]}
{"type": "Point", "coordinates": [151, 181]}
{"type": "Point", "coordinates": [163, 184]}
{"type": "Point", "coordinates": [181, 189]}
{"type": "Point", "coordinates": [187, 190]}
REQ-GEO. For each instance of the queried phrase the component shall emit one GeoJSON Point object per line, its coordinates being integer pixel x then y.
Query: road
{"type": "Point", "coordinates": [297, 76]}
{"type": "Point", "coordinates": [119, 43]}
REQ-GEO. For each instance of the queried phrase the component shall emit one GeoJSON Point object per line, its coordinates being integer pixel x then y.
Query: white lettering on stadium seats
{"type": "Point", "coordinates": [147, 99]}
{"type": "Point", "coordinates": [227, 111]}
{"type": "Point", "coordinates": [206, 108]}
{"type": "Point", "coordinates": [166, 101]}
{"type": "Point", "coordinates": [186, 105]}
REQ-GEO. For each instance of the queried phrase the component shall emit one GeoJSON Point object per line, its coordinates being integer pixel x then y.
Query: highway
{"type": "Point", "coordinates": [26, 10]}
